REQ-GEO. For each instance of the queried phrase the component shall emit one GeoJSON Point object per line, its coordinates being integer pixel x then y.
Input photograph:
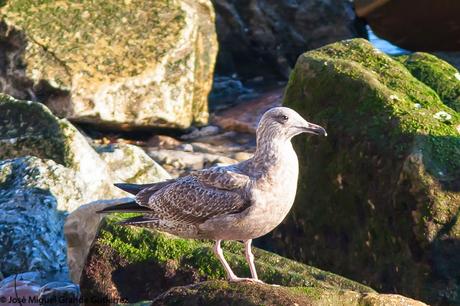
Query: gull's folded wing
{"type": "Point", "coordinates": [195, 198]}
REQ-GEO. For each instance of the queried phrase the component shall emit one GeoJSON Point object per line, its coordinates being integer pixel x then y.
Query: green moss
{"type": "Point", "coordinates": [136, 244]}
{"type": "Point", "coordinates": [140, 245]}
{"type": "Point", "coordinates": [408, 103]}
{"type": "Point", "coordinates": [29, 128]}
{"type": "Point", "coordinates": [443, 78]}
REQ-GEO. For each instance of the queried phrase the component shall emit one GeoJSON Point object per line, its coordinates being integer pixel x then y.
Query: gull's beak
{"type": "Point", "coordinates": [314, 129]}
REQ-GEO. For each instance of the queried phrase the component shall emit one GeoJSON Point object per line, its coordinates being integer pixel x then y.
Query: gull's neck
{"type": "Point", "coordinates": [272, 153]}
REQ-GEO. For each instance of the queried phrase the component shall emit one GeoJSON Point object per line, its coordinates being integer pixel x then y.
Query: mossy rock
{"type": "Point", "coordinates": [224, 293]}
{"type": "Point", "coordinates": [123, 64]}
{"type": "Point", "coordinates": [29, 128]}
{"type": "Point", "coordinates": [137, 264]}
{"type": "Point", "coordinates": [379, 198]}
{"type": "Point", "coordinates": [443, 78]}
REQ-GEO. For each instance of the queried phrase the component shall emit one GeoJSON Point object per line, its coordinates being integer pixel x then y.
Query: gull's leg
{"type": "Point", "coordinates": [220, 254]}
{"type": "Point", "coordinates": [231, 276]}
{"type": "Point", "coordinates": [250, 259]}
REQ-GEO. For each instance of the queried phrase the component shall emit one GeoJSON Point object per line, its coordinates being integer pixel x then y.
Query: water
{"type": "Point", "coordinates": [383, 45]}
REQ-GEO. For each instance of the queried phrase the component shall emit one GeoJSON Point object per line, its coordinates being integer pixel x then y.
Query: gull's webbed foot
{"type": "Point", "coordinates": [245, 279]}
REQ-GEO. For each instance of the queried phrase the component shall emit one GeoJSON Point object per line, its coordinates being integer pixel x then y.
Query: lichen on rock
{"type": "Point", "coordinates": [116, 63]}
{"type": "Point", "coordinates": [379, 197]}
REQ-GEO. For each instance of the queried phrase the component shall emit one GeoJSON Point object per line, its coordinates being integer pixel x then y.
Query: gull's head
{"type": "Point", "coordinates": [286, 123]}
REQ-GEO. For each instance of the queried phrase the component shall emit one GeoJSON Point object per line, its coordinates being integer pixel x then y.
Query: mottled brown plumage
{"type": "Point", "coordinates": [238, 202]}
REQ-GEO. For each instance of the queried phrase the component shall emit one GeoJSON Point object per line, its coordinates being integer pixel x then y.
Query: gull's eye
{"type": "Point", "coordinates": [282, 119]}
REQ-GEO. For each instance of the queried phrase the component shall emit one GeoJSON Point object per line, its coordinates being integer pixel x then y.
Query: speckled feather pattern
{"type": "Point", "coordinates": [237, 202]}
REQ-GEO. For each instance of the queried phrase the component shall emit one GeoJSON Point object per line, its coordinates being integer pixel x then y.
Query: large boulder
{"type": "Point", "coordinates": [265, 37]}
{"type": "Point", "coordinates": [379, 198]}
{"type": "Point", "coordinates": [134, 264]}
{"type": "Point", "coordinates": [122, 64]}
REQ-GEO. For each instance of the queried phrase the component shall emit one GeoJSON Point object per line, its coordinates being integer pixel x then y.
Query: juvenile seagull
{"type": "Point", "coordinates": [237, 202]}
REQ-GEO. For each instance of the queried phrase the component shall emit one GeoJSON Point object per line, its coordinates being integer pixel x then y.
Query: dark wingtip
{"type": "Point", "coordinates": [130, 188]}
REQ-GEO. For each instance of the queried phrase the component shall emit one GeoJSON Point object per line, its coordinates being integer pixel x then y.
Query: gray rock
{"type": "Point", "coordinates": [186, 147]}
{"type": "Point", "coordinates": [34, 197]}
{"type": "Point", "coordinates": [39, 278]}
{"type": "Point", "coordinates": [131, 164]}
{"type": "Point", "coordinates": [227, 91]}
{"type": "Point", "coordinates": [209, 130]}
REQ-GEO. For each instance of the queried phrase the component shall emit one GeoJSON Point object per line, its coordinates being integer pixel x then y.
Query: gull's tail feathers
{"type": "Point", "coordinates": [142, 221]}
{"type": "Point", "coordinates": [131, 207]}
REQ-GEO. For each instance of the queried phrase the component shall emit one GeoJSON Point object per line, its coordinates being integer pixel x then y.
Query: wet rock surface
{"type": "Point", "coordinates": [34, 198]}
{"type": "Point", "coordinates": [228, 91]}
{"type": "Point", "coordinates": [379, 197]}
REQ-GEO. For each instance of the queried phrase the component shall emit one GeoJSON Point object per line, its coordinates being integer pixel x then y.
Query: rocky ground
{"type": "Point", "coordinates": [87, 100]}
